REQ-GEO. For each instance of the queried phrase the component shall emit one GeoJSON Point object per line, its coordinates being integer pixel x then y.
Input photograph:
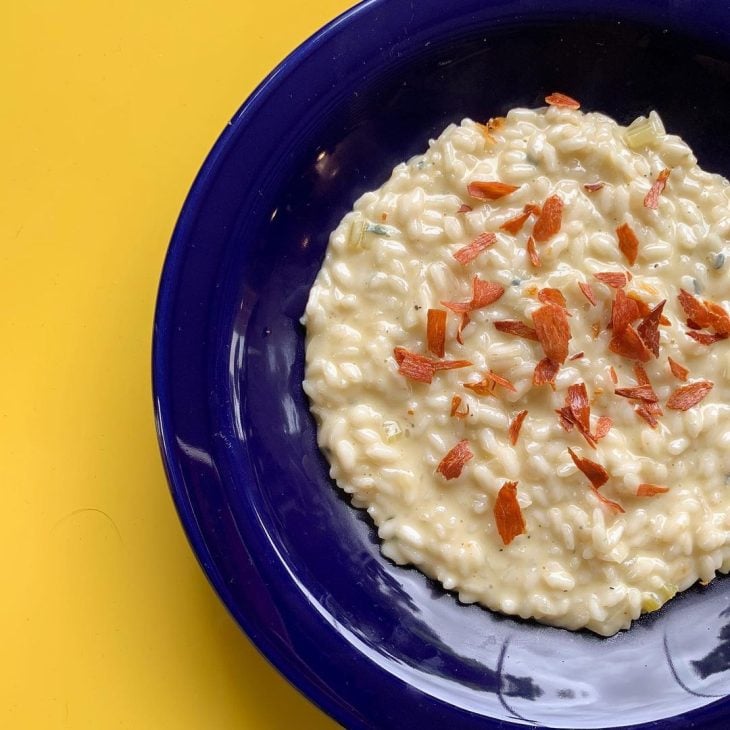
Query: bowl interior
{"type": "Point", "coordinates": [375, 644]}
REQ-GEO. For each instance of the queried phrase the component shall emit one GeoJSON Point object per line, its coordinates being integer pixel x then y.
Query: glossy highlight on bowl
{"type": "Point", "coordinates": [373, 644]}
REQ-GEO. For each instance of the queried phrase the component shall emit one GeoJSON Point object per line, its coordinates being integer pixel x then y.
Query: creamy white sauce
{"type": "Point", "coordinates": [391, 259]}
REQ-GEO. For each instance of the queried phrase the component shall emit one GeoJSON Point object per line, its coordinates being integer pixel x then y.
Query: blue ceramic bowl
{"type": "Point", "coordinates": [373, 644]}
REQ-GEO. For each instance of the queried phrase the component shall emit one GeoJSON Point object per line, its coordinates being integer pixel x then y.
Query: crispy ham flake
{"type": "Point", "coordinates": [648, 414]}
{"type": "Point", "coordinates": [587, 292]}
{"type": "Point", "coordinates": [549, 221]}
{"type": "Point", "coordinates": [614, 507]}
{"type": "Point", "coordinates": [451, 364]}
{"type": "Point", "coordinates": [455, 405]}
{"type": "Point", "coordinates": [481, 387]}
{"type": "Point", "coordinates": [577, 413]}
{"type": "Point", "coordinates": [695, 310]}
{"type": "Point", "coordinates": [488, 384]}
{"type": "Point", "coordinates": [651, 200]}
{"type": "Point", "coordinates": [468, 253]}
{"type": "Point", "coordinates": [561, 100]}
{"type": "Point", "coordinates": [628, 243]}
{"type": "Point", "coordinates": [614, 279]}
{"type": "Point", "coordinates": [484, 294]}
{"type": "Point", "coordinates": [624, 311]}
{"type": "Point", "coordinates": [596, 474]}
{"type": "Point", "coordinates": [490, 190]}
{"type": "Point", "coordinates": [643, 307]}
{"type": "Point", "coordinates": [515, 327]}
{"type": "Point", "coordinates": [642, 377]}
{"type": "Point", "coordinates": [436, 331]}
{"type": "Point", "coordinates": [704, 314]}
{"type": "Point", "coordinates": [415, 367]}
{"type": "Point", "coordinates": [579, 405]}
{"type": "Point", "coordinates": [643, 393]}
{"type": "Point", "coordinates": [499, 380]}
{"type": "Point", "coordinates": [638, 392]}
{"type": "Point", "coordinates": [514, 225]}
{"type": "Point", "coordinates": [628, 344]}
{"type": "Point", "coordinates": [553, 331]}
{"type": "Point", "coordinates": [706, 338]}
{"type": "Point", "coordinates": [507, 513]}
{"type": "Point", "coordinates": [649, 328]}
{"type": "Point", "coordinates": [720, 318]}
{"type": "Point", "coordinates": [463, 322]}
{"type": "Point", "coordinates": [451, 466]}
{"type": "Point", "coordinates": [650, 490]}
{"type": "Point", "coordinates": [566, 418]}
{"type": "Point", "coordinates": [515, 426]}
{"type": "Point", "coordinates": [688, 396]}
{"type": "Point", "coordinates": [420, 368]}
{"type": "Point", "coordinates": [545, 372]}
{"type": "Point", "coordinates": [603, 426]}
{"type": "Point", "coordinates": [679, 371]}
{"type": "Point", "coordinates": [551, 296]}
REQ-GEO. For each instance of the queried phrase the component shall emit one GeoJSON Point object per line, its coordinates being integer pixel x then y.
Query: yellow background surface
{"type": "Point", "coordinates": [107, 111]}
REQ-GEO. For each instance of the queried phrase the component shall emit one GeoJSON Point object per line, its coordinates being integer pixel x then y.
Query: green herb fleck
{"type": "Point", "coordinates": [379, 229]}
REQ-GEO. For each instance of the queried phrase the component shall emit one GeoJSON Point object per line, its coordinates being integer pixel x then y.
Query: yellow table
{"type": "Point", "coordinates": [107, 111]}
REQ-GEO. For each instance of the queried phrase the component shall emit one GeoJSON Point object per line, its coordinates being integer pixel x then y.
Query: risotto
{"type": "Point", "coordinates": [517, 358]}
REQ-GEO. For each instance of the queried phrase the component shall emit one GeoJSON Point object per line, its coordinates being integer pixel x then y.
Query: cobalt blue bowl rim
{"type": "Point", "coordinates": [164, 321]}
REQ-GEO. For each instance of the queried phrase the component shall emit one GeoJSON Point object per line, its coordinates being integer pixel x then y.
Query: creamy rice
{"type": "Point", "coordinates": [577, 564]}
